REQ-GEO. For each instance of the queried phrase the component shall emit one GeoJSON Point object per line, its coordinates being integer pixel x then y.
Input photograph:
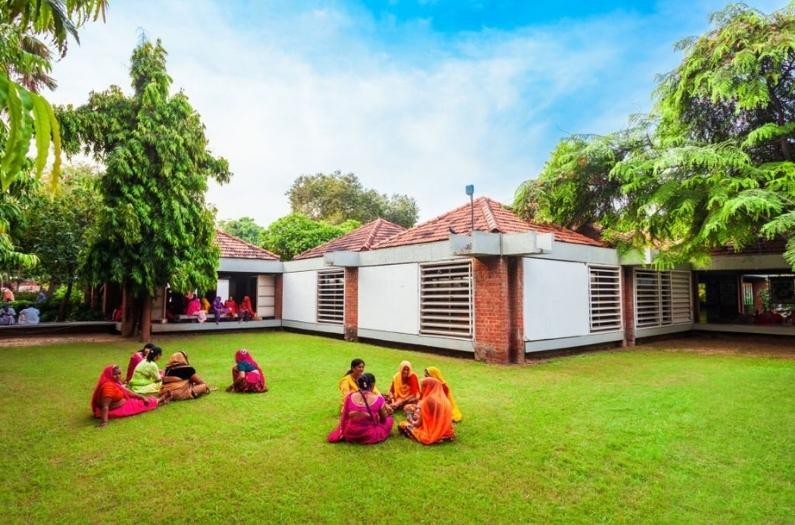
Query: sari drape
{"type": "Point", "coordinates": [400, 389]}
{"type": "Point", "coordinates": [436, 373]}
{"type": "Point", "coordinates": [436, 415]}
{"type": "Point", "coordinates": [255, 377]}
{"type": "Point", "coordinates": [184, 389]}
{"type": "Point", "coordinates": [348, 385]}
{"type": "Point", "coordinates": [146, 378]}
{"type": "Point", "coordinates": [107, 386]}
{"type": "Point", "coordinates": [365, 428]}
{"type": "Point", "coordinates": [136, 358]}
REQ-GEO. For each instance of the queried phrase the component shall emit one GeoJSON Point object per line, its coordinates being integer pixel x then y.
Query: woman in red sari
{"type": "Point", "coordinates": [432, 420]}
{"type": "Point", "coordinates": [246, 311]}
{"type": "Point", "coordinates": [231, 307]}
{"type": "Point", "coordinates": [111, 399]}
{"type": "Point", "coordinates": [364, 417]}
{"type": "Point", "coordinates": [247, 376]}
{"type": "Point", "coordinates": [137, 357]}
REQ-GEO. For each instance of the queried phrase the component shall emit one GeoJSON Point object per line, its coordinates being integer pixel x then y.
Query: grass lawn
{"type": "Point", "coordinates": [621, 436]}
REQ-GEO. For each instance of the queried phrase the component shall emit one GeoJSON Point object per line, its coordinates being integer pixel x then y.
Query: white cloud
{"type": "Point", "coordinates": [287, 93]}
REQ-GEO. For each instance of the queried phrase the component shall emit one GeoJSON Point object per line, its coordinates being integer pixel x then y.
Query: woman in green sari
{"type": "Point", "coordinates": [147, 379]}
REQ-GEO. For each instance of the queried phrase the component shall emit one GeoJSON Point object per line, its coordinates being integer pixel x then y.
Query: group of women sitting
{"type": "Point", "coordinates": [367, 417]}
{"type": "Point", "coordinates": [146, 387]}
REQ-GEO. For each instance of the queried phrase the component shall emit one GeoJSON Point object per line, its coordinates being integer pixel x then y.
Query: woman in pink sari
{"type": "Point", "coordinates": [112, 400]}
{"type": "Point", "coordinates": [247, 376]}
{"type": "Point", "coordinates": [364, 417]}
{"type": "Point", "coordinates": [137, 357]}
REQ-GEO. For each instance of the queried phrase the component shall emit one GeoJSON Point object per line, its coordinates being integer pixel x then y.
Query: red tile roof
{"type": "Point", "coordinates": [235, 248]}
{"type": "Point", "coordinates": [360, 239]}
{"type": "Point", "coordinates": [490, 216]}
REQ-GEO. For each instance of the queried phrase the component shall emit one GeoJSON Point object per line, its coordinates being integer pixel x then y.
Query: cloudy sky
{"type": "Point", "coordinates": [419, 97]}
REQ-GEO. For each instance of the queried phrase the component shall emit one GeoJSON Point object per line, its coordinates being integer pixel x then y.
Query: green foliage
{"type": "Point", "coordinates": [296, 233]}
{"type": "Point", "coordinates": [711, 166]}
{"type": "Point", "coordinates": [154, 227]}
{"type": "Point", "coordinates": [243, 228]}
{"type": "Point", "coordinates": [57, 223]}
{"type": "Point", "coordinates": [335, 198]}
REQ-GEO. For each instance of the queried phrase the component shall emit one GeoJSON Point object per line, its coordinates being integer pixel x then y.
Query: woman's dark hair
{"type": "Point", "coordinates": [356, 362]}
{"type": "Point", "coordinates": [366, 383]}
{"type": "Point", "coordinates": [154, 352]}
{"type": "Point", "coordinates": [147, 346]}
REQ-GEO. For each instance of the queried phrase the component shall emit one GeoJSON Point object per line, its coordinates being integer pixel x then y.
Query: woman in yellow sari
{"type": "Point", "coordinates": [348, 382]}
{"type": "Point", "coordinates": [405, 387]}
{"type": "Point", "coordinates": [434, 372]}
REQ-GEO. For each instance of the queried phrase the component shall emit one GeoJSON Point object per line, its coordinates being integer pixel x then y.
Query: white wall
{"type": "Point", "coordinates": [299, 298]}
{"type": "Point", "coordinates": [555, 299]}
{"type": "Point", "coordinates": [389, 298]}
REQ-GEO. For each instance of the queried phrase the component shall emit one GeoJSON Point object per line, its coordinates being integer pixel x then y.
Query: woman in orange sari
{"type": "Point", "coordinates": [405, 387]}
{"type": "Point", "coordinates": [432, 371]}
{"type": "Point", "coordinates": [246, 309]}
{"type": "Point", "coordinates": [231, 307]}
{"type": "Point", "coordinates": [432, 420]}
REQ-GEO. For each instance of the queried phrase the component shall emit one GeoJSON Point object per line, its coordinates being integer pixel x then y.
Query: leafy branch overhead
{"type": "Point", "coordinates": [712, 165]}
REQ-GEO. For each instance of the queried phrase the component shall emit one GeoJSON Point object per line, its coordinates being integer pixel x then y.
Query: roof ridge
{"type": "Point", "coordinates": [488, 214]}
{"type": "Point", "coordinates": [252, 245]}
{"type": "Point", "coordinates": [373, 231]}
{"type": "Point", "coordinates": [438, 217]}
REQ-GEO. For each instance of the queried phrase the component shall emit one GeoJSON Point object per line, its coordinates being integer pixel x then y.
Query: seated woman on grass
{"type": "Point", "coordinates": [432, 419]}
{"type": "Point", "coordinates": [434, 372]}
{"type": "Point", "coordinates": [112, 400]}
{"type": "Point", "coordinates": [146, 377]}
{"type": "Point", "coordinates": [135, 358]}
{"type": "Point", "coordinates": [180, 379]}
{"type": "Point", "coordinates": [348, 382]}
{"type": "Point", "coordinates": [247, 376]}
{"type": "Point", "coordinates": [364, 417]}
{"type": "Point", "coordinates": [405, 387]}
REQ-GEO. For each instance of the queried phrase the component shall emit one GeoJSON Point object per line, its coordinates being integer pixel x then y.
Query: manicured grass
{"type": "Point", "coordinates": [619, 436]}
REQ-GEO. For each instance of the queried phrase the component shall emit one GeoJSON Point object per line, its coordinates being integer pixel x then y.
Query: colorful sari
{"type": "Point", "coordinates": [436, 415]}
{"type": "Point", "coordinates": [365, 427]}
{"type": "Point", "coordinates": [436, 373]}
{"type": "Point", "coordinates": [108, 387]}
{"type": "Point", "coordinates": [146, 378]}
{"type": "Point", "coordinates": [254, 376]}
{"type": "Point", "coordinates": [218, 308]}
{"type": "Point", "coordinates": [231, 307]}
{"type": "Point", "coordinates": [135, 359]}
{"type": "Point", "coordinates": [205, 305]}
{"type": "Point", "coordinates": [178, 366]}
{"type": "Point", "coordinates": [404, 390]}
{"type": "Point", "coordinates": [347, 385]}
{"type": "Point", "coordinates": [246, 309]}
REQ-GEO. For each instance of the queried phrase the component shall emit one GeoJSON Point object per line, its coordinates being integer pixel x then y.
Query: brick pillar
{"type": "Point", "coordinates": [351, 321]}
{"type": "Point", "coordinates": [628, 300]}
{"type": "Point", "coordinates": [497, 285]}
{"type": "Point", "coordinates": [516, 303]}
{"type": "Point", "coordinates": [278, 292]}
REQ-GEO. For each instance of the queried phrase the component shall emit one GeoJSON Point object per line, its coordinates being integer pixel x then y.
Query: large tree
{"type": "Point", "coordinates": [55, 228]}
{"type": "Point", "coordinates": [336, 198]}
{"type": "Point", "coordinates": [244, 228]}
{"type": "Point", "coordinates": [713, 164]}
{"type": "Point", "coordinates": [296, 233]}
{"type": "Point", "coordinates": [155, 226]}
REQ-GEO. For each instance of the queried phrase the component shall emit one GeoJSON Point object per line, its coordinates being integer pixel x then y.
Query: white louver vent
{"type": "Point", "coordinates": [331, 296]}
{"type": "Point", "coordinates": [662, 298]}
{"type": "Point", "coordinates": [605, 298]}
{"type": "Point", "coordinates": [446, 299]}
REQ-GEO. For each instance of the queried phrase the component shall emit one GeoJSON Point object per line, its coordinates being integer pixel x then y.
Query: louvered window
{"type": "Point", "coordinates": [330, 296]}
{"type": "Point", "coordinates": [446, 299]}
{"type": "Point", "coordinates": [605, 298]}
{"type": "Point", "coordinates": [662, 298]}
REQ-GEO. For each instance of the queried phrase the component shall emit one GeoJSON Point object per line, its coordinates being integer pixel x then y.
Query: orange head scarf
{"type": "Point", "coordinates": [107, 382]}
{"type": "Point", "coordinates": [436, 413]}
{"type": "Point", "coordinates": [434, 372]}
{"type": "Point", "coordinates": [403, 389]}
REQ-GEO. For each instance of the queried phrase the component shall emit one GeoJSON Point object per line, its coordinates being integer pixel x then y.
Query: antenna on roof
{"type": "Point", "coordinates": [470, 190]}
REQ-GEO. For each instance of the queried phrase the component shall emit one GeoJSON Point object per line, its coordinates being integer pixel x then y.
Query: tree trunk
{"type": "Point", "coordinates": [127, 314]}
{"type": "Point", "coordinates": [63, 310]}
{"type": "Point", "coordinates": [146, 318]}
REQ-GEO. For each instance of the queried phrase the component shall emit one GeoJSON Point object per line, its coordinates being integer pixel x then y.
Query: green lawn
{"type": "Point", "coordinates": [618, 436]}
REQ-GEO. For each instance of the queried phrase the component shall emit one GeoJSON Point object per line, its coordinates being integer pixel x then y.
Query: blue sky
{"type": "Point", "coordinates": [416, 97]}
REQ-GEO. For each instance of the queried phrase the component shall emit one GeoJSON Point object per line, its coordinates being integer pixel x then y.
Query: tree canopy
{"type": "Point", "coordinates": [712, 165]}
{"type": "Point", "coordinates": [154, 226]}
{"type": "Point", "coordinates": [296, 233]}
{"type": "Point", "coordinates": [243, 228]}
{"type": "Point", "coordinates": [336, 198]}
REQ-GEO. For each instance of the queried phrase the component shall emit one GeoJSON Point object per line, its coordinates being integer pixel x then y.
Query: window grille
{"type": "Point", "coordinates": [605, 298]}
{"type": "Point", "coordinates": [662, 298]}
{"type": "Point", "coordinates": [446, 299]}
{"type": "Point", "coordinates": [331, 296]}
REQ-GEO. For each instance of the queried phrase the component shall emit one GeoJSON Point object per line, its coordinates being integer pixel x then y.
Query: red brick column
{"type": "Point", "coordinates": [628, 300]}
{"type": "Point", "coordinates": [278, 292]}
{"type": "Point", "coordinates": [498, 312]}
{"type": "Point", "coordinates": [351, 321]}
